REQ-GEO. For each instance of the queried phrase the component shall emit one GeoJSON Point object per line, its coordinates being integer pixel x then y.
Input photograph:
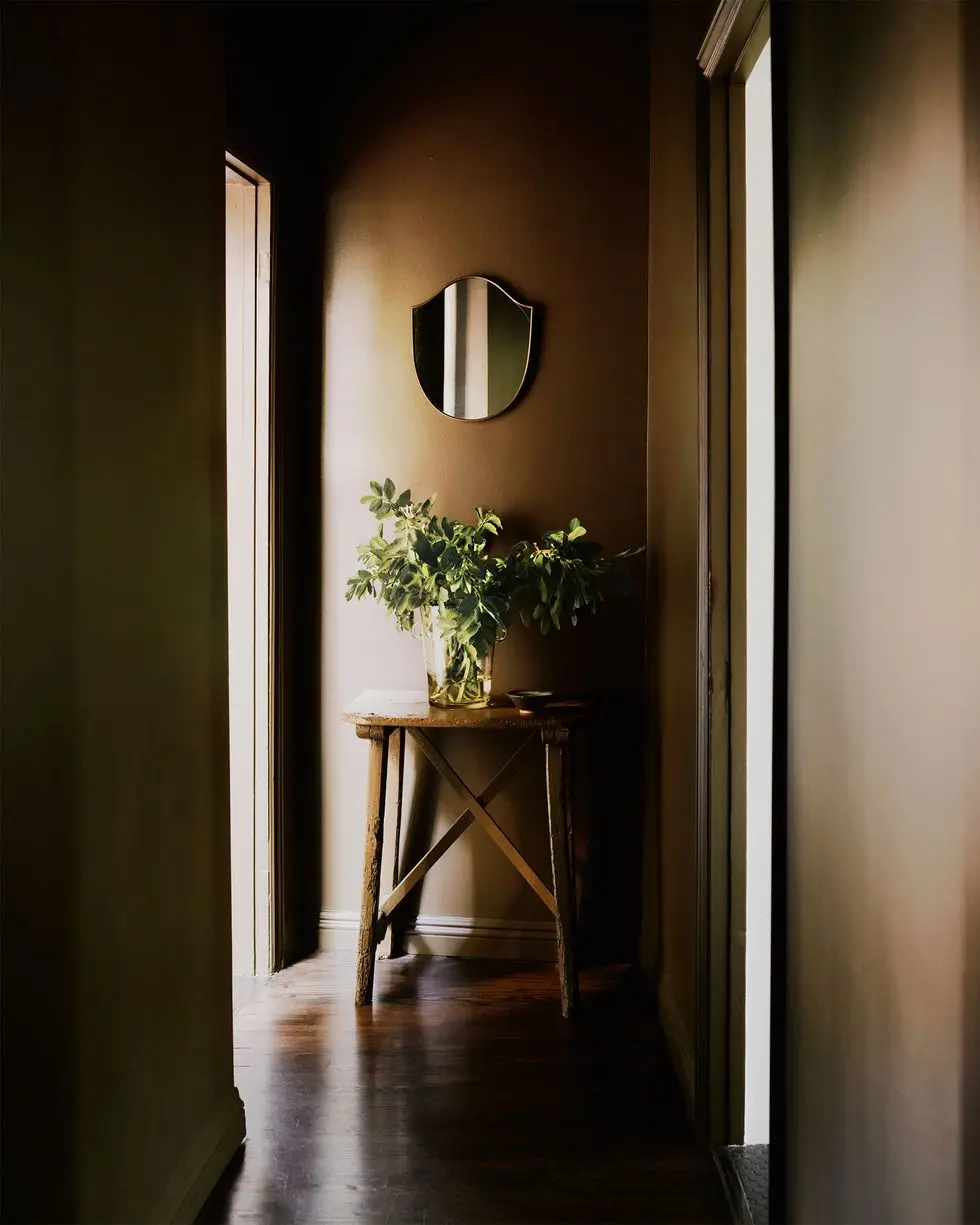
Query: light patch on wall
{"type": "Point", "coordinates": [352, 308]}
{"type": "Point", "coordinates": [879, 683]}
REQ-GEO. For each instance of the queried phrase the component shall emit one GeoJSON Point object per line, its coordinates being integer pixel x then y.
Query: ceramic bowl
{"type": "Point", "coordinates": [530, 700]}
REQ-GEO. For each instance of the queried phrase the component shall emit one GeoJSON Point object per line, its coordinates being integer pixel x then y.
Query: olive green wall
{"type": "Point", "coordinates": [884, 605]}
{"type": "Point", "coordinates": [117, 1096]}
{"type": "Point", "coordinates": [511, 140]}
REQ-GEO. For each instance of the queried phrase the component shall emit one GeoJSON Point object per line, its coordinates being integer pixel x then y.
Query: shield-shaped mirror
{"type": "Point", "coordinates": [472, 346]}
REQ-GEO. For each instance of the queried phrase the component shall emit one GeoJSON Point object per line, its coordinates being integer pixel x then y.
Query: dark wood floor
{"type": "Point", "coordinates": [460, 1096]}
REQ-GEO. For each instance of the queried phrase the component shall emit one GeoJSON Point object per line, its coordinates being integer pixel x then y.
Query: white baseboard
{"type": "Point", "coordinates": [453, 936]}
{"type": "Point", "coordinates": [678, 1040]}
{"type": "Point", "coordinates": [205, 1160]}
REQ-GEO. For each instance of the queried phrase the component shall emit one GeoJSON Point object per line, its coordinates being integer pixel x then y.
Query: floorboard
{"type": "Point", "coordinates": [460, 1096]}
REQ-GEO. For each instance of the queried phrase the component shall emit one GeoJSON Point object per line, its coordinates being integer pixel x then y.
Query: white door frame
{"type": "Point", "coordinates": [736, 36]}
{"type": "Point", "coordinates": [250, 559]}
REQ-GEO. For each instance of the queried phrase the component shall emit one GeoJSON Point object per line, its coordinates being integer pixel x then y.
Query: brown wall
{"type": "Point", "coordinates": [884, 604]}
{"type": "Point", "coordinates": [508, 139]}
{"type": "Point", "coordinates": [672, 516]}
{"type": "Point", "coordinates": [118, 1101]}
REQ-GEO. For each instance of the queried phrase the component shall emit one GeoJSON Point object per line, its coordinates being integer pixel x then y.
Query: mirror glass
{"type": "Point", "coordinates": [472, 348]}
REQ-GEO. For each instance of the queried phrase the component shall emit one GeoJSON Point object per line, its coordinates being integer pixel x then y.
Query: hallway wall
{"type": "Point", "coordinates": [884, 609]}
{"type": "Point", "coordinates": [670, 849]}
{"type": "Point", "coordinates": [118, 1102]}
{"type": "Point", "coordinates": [508, 139]}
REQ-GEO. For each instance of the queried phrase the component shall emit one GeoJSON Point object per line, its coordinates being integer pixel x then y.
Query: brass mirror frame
{"type": "Point", "coordinates": [533, 313]}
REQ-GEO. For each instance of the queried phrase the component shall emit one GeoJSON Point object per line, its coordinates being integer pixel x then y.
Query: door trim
{"type": "Point", "coordinates": [713, 718]}
{"type": "Point", "coordinates": [266, 271]}
{"type": "Point", "coordinates": [730, 49]}
{"type": "Point", "coordinates": [735, 37]}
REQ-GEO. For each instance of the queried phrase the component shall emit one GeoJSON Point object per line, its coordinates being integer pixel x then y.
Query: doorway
{"type": "Point", "coordinates": [248, 216]}
{"type": "Point", "coordinates": [743, 723]}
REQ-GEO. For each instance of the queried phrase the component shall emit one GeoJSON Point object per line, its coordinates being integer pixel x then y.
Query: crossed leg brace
{"type": "Point", "coordinates": [376, 915]}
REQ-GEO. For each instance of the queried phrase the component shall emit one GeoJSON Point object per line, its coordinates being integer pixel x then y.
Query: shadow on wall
{"type": "Point", "coordinates": [417, 829]}
{"type": "Point", "coordinates": [265, 126]}
{"type": "Point", "coordinates": [652, 909]}
{"type": "Point", "coordinates": [273, 123]}
{"type": "Point", "coordinates": [300, 255]}
{"type": "Point", "coordinates": [37, 784]}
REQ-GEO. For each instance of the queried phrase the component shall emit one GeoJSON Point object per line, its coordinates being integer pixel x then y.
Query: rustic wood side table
{"type": "Point", "coordinates": [378, 713]}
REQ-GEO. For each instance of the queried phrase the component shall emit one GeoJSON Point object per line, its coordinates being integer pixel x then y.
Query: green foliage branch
{"type": "Point", "coordinates": [424, 562]}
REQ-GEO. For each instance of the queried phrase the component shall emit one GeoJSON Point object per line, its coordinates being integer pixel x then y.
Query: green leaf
{"type": "Point", "coordinates": [446, 563]}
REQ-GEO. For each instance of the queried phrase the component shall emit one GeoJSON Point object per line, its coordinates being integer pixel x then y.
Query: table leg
{"type": "Point", "coordinates": [399, 803]}
{"type": "Point", "coordinates": [373, 840]}
{"type": "Point", "coordinates": [556, 765]}
{"type": "Point", "coordinates": [393, 941]}
{"type": "Point", "coordinates": [570, 836]}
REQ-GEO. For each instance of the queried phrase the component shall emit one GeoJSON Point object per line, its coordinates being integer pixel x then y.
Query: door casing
{"type": "Point", "coordinates": [735, 38]}
{"type": "Point", "coordinates": [268, 926]}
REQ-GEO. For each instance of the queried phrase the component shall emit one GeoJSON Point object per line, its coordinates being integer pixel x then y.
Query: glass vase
{"type": "Point", "coordinates": [454, 677]}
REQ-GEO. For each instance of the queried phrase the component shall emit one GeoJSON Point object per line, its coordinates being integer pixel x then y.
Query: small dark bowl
{"type": "Point", "coordinates": [530, 700]}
